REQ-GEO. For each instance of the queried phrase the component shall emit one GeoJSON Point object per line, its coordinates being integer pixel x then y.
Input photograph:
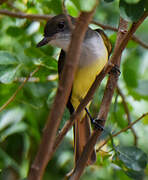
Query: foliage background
{"type": "Point", "coordinates": [22, 121]}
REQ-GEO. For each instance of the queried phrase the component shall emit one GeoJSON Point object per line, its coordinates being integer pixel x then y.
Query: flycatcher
{"type": "Point", "coordinates": [94, 55]}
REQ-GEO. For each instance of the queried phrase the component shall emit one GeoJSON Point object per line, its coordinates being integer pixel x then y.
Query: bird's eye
{"type": "Point", "coordinates": [61, 25]}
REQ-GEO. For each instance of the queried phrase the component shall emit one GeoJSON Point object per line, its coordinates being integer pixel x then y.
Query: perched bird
{"type": "Point", "coordinates": [94, 55]}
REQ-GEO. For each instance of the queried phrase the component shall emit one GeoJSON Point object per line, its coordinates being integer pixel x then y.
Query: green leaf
{"type": "Point", "coordinates": [142, 88]}
{"type": "Point", "coordinates": [87, 5]}
{"type": "Point", "coordinates": [84, 5]}
{"type": "Point", "coordinates": [34, 52]}
{"type": "Point", "coordinates": [145, 120]}
{"type": "Point", "coordinates": [9, 67]}
{"type": "Point", "coordinates": [131, 70]}
{"type": "Point", "coordinates": [136, 175]}
{"type": "Point", "coordinates": [141, 91]}
{"type": "Point", "coordinates": [51, 96]}
{"type": "Point", "coordinates": [131, 11]}
{"type": "Point", "coordinates": [9, 73]}
{"type": "Point", "coordinates": [49, 62]}
{"type": "Point", "coordinates": [14, 31]}
{"type": "Point", "coordinates": [8, 160]}
{"type": "Point", "coordinates": [6, 58]}
{"type": "Point", "coordinates": [72, 9]}
{"type": "Point", "coordinates": [54, 5]}
{"type": "Point", "coordinates": [10, 117]}
{"type": "Point", "coordinates": [76, 3]}
{"type": "Point", "coordinates": [112, 39]}
{"type": "Point", "coordinates": [118, 115]}
{"type": "Point", "coordinates": [131, 45]}
{"type": "Point", "coordinates": [15, 128]}
{"type": "Point", "coordinates": [132, 157]}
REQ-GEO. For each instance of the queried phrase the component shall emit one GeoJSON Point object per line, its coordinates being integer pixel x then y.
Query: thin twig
{"type": "Point", "coordinates": [104, 26]}
{"type": "Point", "coordinates": [17, 90]}
{"type": "Point", "coordinates": [127, 113]}
{"type": "Point", "coordinates": [24, 15]}
{"type": "Point", "coordinates": [140, 42]}
{"type": "Point", "coordinates": [122, 130]}
{"type": "Point", "coordinates": [39, 17]}
{"type": "Point", "coordinates": [65, 84]}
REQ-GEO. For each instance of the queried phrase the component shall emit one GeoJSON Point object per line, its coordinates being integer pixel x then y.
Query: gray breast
{"type": "Point", "coordinates": [93, 49]}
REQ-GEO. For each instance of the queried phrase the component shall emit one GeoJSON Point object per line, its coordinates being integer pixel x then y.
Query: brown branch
{"type": "Point", "coordinates": [140, 42]}
{"type": "Point", "coordinates": [127, 113]}
{"type": "Point", "coordinates": [123, 130]}
{"type": "Point", "coordinates": [65, 84]}
{"type": "Point", "coordinates": [64, 7]}
{"type": "Point", "coordinates": [122, 40]}
{"type": "Point", "coordinates": [104, 26]}
{"type": "Point", "coordinates": [47, 17]}
{"type": "Point", "coordinates": [24, 15]}
{"type": "Point", "coordinates": [17, 90]}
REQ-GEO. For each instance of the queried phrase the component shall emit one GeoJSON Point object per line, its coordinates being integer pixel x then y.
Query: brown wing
{"type": "Point", "coordinates": [61, 62]}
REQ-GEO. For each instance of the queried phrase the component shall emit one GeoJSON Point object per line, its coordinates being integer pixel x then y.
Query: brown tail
{"type": "Point", "coordinates": [82, 133]}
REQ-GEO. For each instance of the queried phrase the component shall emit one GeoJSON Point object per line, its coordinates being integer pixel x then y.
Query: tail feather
{"type": "Point", "coordinates": [82, 133]}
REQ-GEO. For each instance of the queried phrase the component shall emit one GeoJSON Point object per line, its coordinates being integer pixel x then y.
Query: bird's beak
{"type": "Point", "coordinates": [45, 41]}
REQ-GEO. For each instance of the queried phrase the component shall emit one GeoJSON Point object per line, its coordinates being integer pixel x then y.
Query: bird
{"type": "Point", "coordinates": [94, 55]}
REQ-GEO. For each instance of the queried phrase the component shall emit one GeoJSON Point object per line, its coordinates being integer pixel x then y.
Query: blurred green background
{"type": "Point", "coordinates": [22, 121]}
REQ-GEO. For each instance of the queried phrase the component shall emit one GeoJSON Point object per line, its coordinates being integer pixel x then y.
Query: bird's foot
{"type": "Point", "coordinates": [115, 70]}
{"type": "Point", "coordinates": [97, 123]}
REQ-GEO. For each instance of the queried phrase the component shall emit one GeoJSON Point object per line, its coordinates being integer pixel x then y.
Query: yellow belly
{"type": "Point", "coordinates": [84, 78]}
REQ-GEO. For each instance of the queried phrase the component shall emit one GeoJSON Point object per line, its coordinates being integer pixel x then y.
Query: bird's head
{"type": "Point", "coordinates": [57, 32]}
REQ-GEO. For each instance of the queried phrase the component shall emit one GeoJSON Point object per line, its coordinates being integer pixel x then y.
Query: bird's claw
{"type": "Point", "coordinates": [115, 70]}
{"type": "Point", "coordinates": [97, 123]}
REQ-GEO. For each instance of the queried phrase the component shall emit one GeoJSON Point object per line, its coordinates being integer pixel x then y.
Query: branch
{"type": "Point", "coordinates": [65, 84]}
{"type": "Point", "coordinates": [24, 15]}
{"type": "Point", "coordinates": [47, 17]}
{"type": "Point", "coordinates": [123, 130]}
{"type": "Point", "coordinates": [122, 39]}
{"type": "Point", "coordinates": [18, 90]}
{"type": "Point", "coordinates": [127, 113]}
{"type": "Point", "coordinates": [104, 26]}
{"type": "Point", "coordinates": [140, 42]}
